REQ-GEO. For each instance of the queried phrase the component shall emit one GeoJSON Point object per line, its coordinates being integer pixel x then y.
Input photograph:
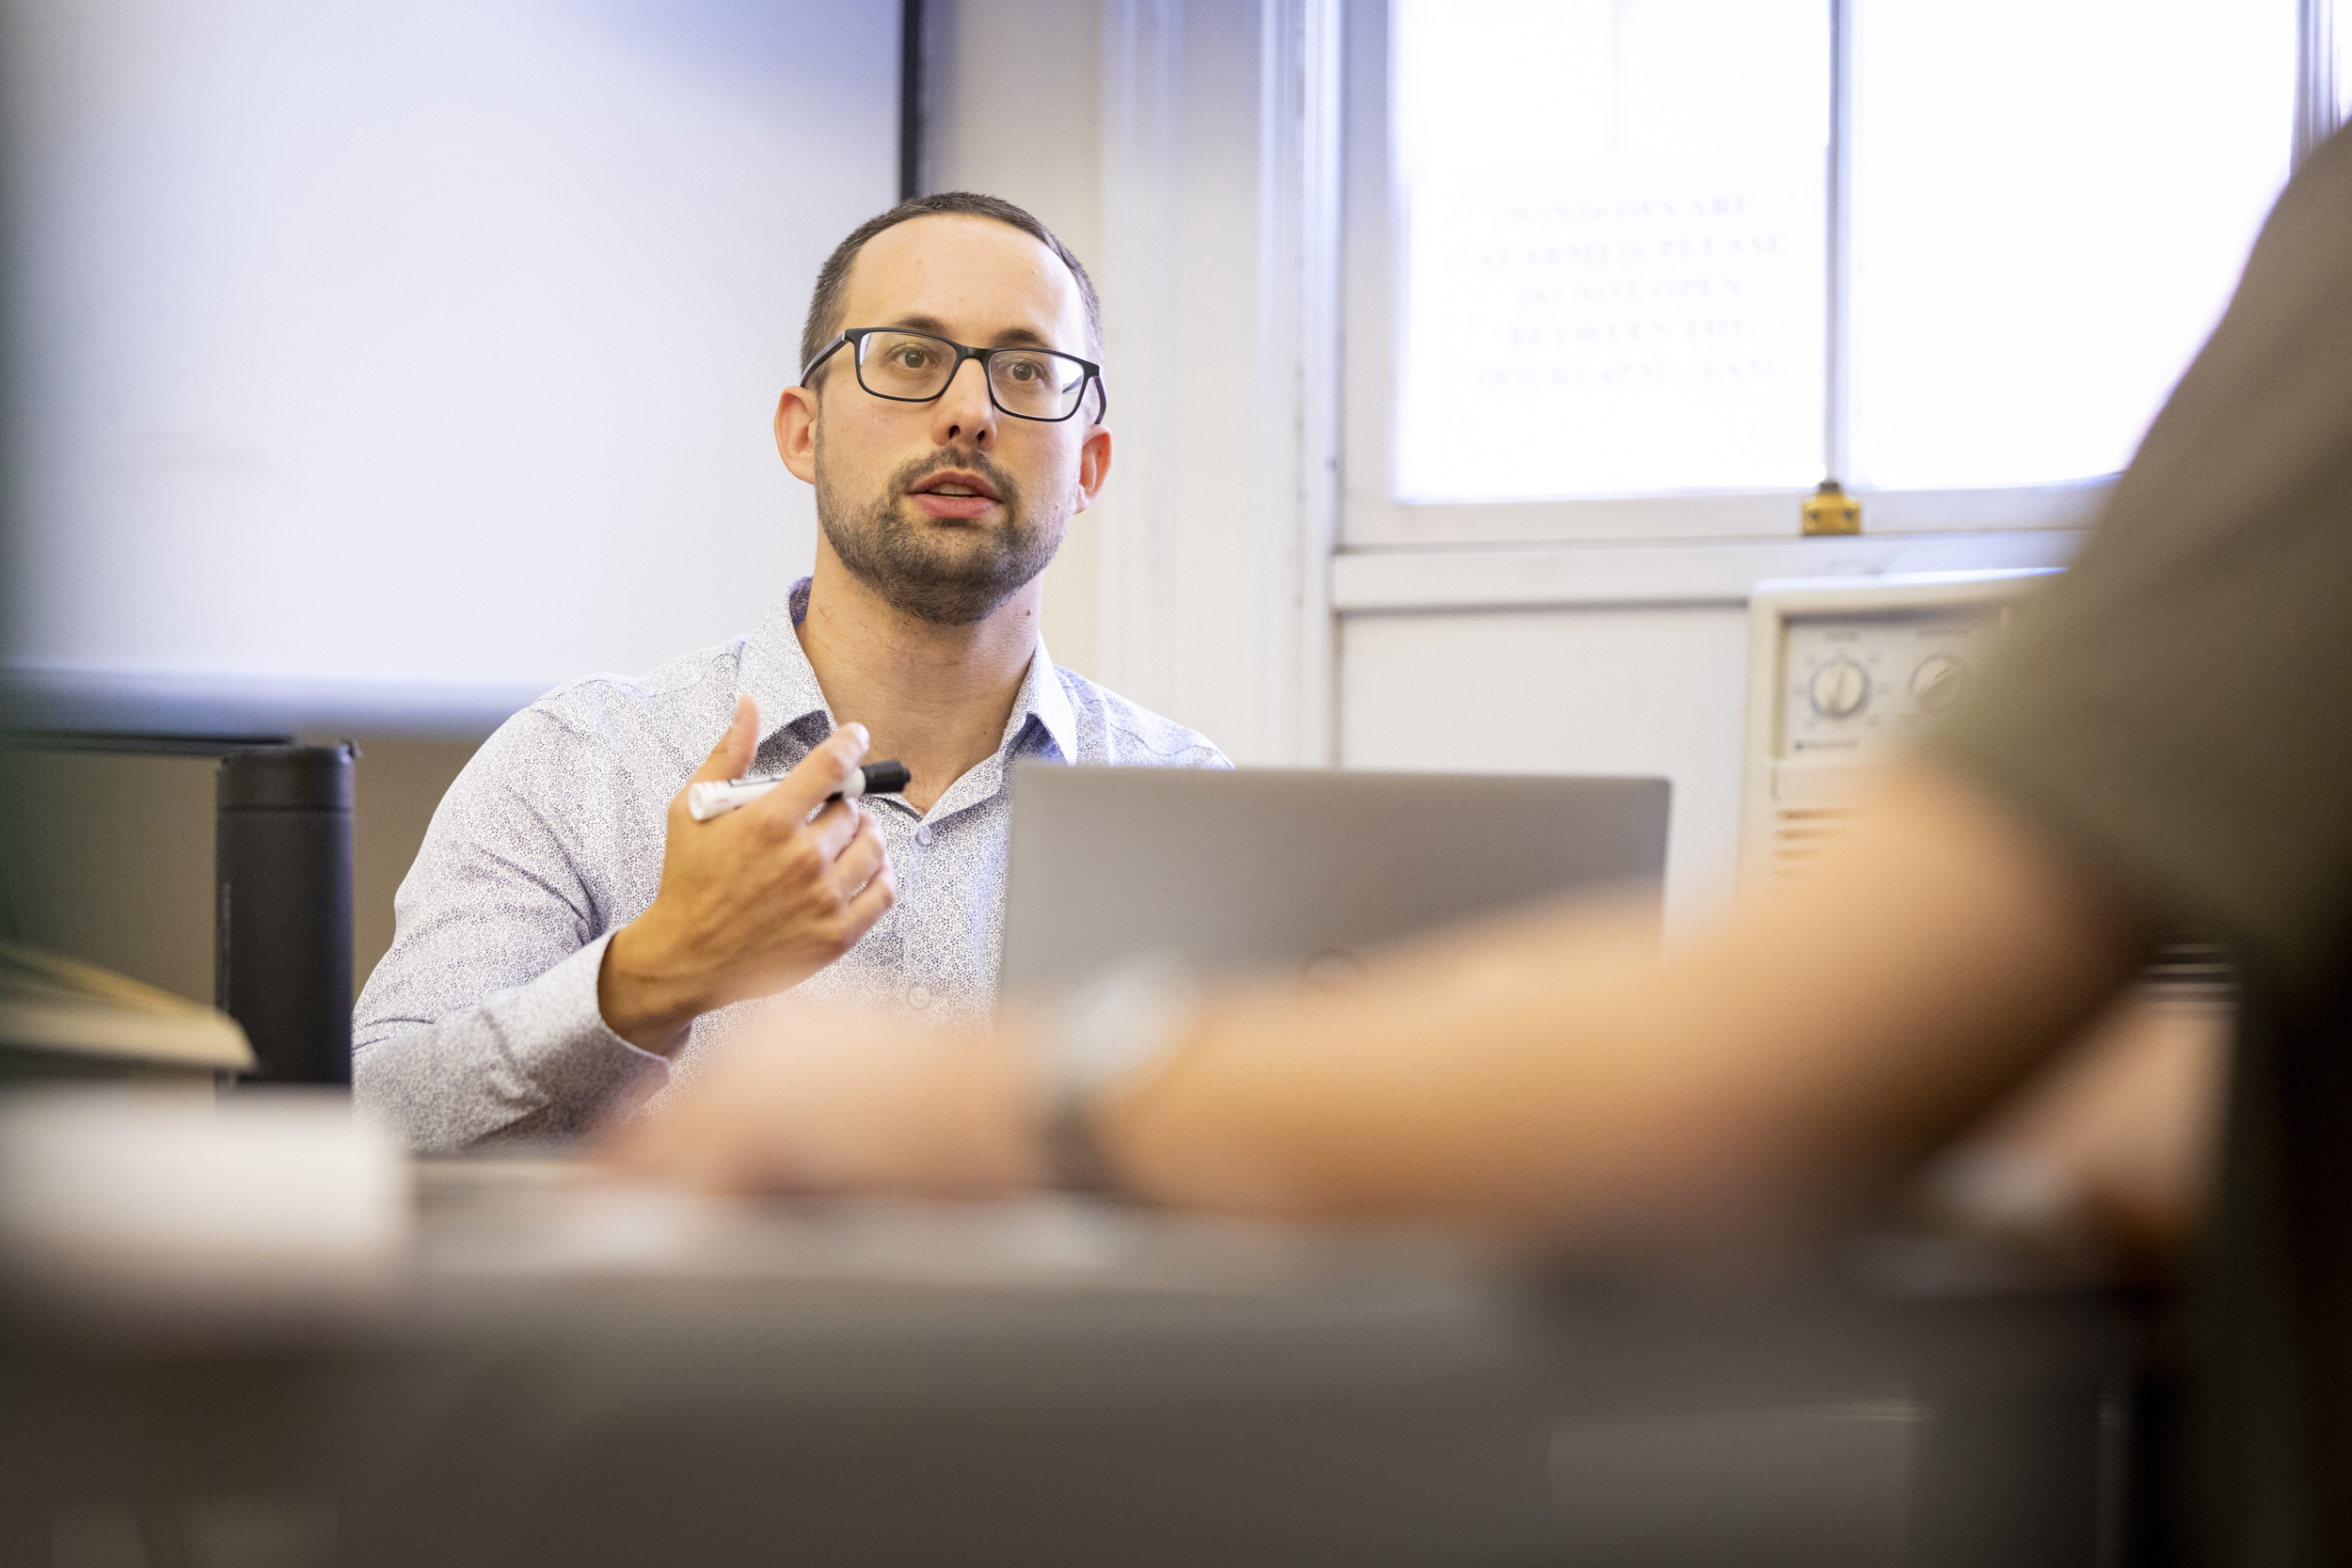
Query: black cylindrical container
{"type": "Point", "coordinates": [281, 907]}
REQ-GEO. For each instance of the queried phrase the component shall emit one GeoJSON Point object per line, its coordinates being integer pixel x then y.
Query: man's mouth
{"type": "Point", "coordinates": [955, 482]}
{"type": "Point", "coordinates": [954, 493]}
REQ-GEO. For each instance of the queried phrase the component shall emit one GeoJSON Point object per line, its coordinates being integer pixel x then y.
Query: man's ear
{"type": "Point", "coordinates": [796, 432]}
{"type": "Point", "coordinates": [1094, 466]}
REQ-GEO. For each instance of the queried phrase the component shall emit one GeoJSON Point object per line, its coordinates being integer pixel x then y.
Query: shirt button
{"type": "Point", "coordinates": [923, 835]}
{"type": "Point", "coordinates": [919, 997]}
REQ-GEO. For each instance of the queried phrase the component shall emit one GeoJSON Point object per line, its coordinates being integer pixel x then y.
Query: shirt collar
{"type": "Point", "coordinates": [1042, 699]}
{"type": "Point", "coordinates": [777, 673]}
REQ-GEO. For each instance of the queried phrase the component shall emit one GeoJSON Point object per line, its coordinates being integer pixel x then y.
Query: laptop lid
{"type": "Point", "coordinates": [1267, 869]}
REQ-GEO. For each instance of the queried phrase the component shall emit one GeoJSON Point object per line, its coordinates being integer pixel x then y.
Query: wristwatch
{"type": "Point", "coordinates": [1114, 1032]}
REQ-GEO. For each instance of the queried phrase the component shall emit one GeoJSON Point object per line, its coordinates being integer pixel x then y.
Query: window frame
{"type": "Point", "coordinates": [1371, 516]}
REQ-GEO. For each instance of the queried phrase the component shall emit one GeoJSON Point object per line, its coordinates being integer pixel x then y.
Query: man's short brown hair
{"type": "Point", "coordinates": [824, 306]}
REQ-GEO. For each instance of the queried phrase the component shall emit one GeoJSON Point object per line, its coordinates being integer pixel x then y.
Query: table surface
{"type": "Point", "coordinates": [563, 1372]}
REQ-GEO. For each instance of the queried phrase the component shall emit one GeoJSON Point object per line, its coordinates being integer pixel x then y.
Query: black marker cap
{"type": "Point", "coordinates": [885, 778]}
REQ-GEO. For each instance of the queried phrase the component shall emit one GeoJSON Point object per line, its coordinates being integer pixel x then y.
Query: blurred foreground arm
{"type": "Point", "coordinates": [1551, 1072]}
{"type": "Point", "coordinates": [1559, 1074]}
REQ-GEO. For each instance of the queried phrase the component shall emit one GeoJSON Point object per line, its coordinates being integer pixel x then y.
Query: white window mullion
{"type": "Point", "coordinates": [1837, 415]}
{"type": "Point", "coordinates": [2320, 83]}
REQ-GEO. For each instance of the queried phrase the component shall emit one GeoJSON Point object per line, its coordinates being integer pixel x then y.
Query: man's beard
{"type": "Point", "coordinates": [948, 573]}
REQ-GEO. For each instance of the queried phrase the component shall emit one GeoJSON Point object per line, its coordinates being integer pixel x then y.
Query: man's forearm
{"type": "Point", "coordinates": [536, 1059]}
{"type": "Point", "coordinates": [1553, 1073]}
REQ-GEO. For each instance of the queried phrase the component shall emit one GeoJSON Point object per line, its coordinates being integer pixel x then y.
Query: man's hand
{"type": "Point", "coordinates": [849, 1102]}
{"type": "Point", "coordinates": [752, 902]}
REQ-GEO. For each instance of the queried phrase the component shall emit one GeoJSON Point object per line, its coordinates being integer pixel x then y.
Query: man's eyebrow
{"type": "Point", "coordinates": [1011, 336]}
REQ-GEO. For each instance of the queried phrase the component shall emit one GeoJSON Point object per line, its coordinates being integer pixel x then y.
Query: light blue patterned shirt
{"type": "Point", "coordinates": [482, 1020]}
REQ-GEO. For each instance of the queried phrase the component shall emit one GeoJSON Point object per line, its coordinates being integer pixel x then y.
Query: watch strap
{"type": "Point", "coordinates": [1117, 1028]}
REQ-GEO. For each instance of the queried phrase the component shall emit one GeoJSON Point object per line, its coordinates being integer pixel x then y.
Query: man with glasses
{"type": "Point", "coordinates": [569, 927]}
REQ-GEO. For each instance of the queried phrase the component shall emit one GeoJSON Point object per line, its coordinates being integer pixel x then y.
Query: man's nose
{"type": "Point", "coordinates": [963, 415]}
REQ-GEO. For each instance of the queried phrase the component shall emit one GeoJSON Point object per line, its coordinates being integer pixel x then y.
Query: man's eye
{"type": "Point", "coordinates": [913, 356]}
{"type": "Point", "coordinates": [1024, 370]}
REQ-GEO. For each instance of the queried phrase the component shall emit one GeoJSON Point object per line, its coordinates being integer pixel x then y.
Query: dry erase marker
{"type": "Point", "coordinates": [707, 800]}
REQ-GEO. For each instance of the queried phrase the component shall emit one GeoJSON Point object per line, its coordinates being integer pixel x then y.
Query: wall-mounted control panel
{"type": "Point", "coordinates": [1840, 672]}
{"type": "Point", "coordinates": [1855, 682]}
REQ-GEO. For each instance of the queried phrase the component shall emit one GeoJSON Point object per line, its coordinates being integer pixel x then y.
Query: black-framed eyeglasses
{"type": "Point", "coordinates": [916, 367]}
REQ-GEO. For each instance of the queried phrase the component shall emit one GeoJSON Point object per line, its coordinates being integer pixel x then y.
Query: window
{"type": "Point", "coordinates": [1650, 266]}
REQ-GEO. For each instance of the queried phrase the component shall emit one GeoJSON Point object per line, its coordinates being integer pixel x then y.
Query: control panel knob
{"type": "Point", "coordinates": [1935, 685]}
{"type": "Point", "coordinates": [1840, 689]}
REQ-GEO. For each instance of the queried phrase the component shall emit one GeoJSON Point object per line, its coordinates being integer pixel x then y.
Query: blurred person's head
{"type": "Point", "coordinates": [943, 483]}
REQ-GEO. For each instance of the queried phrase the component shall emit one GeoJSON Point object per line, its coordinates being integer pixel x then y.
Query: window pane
{"type": "Point", "coordinates": [1612, 217]}
{"type": "Point", "coordinates": [2052, 200]}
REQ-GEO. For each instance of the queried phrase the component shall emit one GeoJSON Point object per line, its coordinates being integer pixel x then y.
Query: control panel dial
{"type": "Point", "coordinates": [1840, 689]}
{"type": "Point", "coordinates": [1935, 685]}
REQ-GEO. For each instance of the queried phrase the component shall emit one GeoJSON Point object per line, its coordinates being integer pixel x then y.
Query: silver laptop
{"type": "Point", "coordinates": [1265, 870]}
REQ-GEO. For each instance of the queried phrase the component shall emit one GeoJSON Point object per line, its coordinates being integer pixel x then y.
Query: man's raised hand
{"type": "Point", "coordinates": [752, 902]}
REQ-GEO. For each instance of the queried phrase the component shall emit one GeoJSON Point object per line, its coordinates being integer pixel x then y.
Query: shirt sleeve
{"type": "Point", "coordinates": [481, 1021]}
{"type": "Point", "coordinates": [2177, 709]}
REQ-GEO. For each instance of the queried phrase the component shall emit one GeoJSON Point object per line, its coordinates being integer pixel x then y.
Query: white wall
{"type": "Point", "coordinates": [1645, 690]}
{"type": "Point", "coordinates": [418, 343]}
{"type": "Point", "coordinates": [1220, 209]}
